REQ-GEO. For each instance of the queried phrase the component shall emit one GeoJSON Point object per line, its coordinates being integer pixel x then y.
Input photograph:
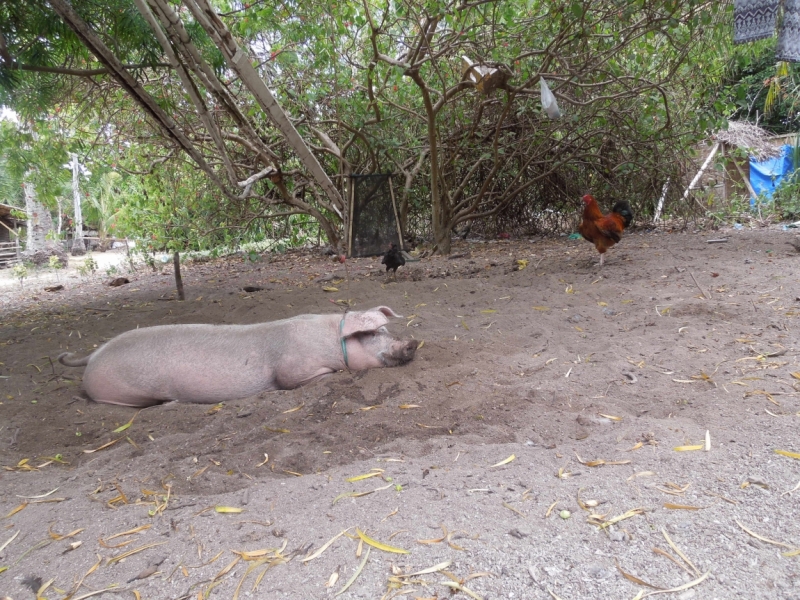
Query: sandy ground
{"type": "Point", "coordinates": [107, 262]}
{"type": "Point", "coordinates": [529, 450]}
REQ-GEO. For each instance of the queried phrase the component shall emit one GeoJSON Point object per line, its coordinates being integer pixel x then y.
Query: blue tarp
{"type": "Point", "coordinates": [766, 176]}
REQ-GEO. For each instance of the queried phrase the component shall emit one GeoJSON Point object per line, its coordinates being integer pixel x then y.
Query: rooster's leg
{"type": "Point", "coordinates": [602, 256]}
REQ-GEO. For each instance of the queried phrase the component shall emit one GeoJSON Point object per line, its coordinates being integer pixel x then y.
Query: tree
{"type": "Point", "coordinates": [220, 130]}
{"type": "Point", "coordinates": [757, 89]}
{"type": "Point", "coordinates": [174, 34]}
{"type": "Point", "coordinates": [611, 67]}
{"type": "Point", "coordinates": [78, 247]}
{"type": "Point", "coordinates": [103, 194]}
{"type": "Point", "coordinates": [39, 222]}
{"type": "Point", "coordinates": [33, 159]}
{"type": "Point", "coordinates": [245, 92]}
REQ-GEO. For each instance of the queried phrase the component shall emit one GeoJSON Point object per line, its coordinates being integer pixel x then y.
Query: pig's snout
{"type": "Point", "coordinates": [401, 352]}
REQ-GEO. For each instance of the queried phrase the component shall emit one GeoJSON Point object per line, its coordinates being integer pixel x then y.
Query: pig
{"type": "Point", "coordinates": [213, 363]}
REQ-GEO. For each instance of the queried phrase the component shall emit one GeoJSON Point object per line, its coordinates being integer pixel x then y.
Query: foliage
{"type": "Point", "coordinates": [757, 89]}
{"type": "Point", "coordinates": [619, 75]}
{"type": "Point", "coordinates": [787, 197]}
{"type": "Point", "coordinates": [55, 263]}
{"type": "Point", "coordinates": [10, 185]}
{"type": "Point", "coordinates": [32, 151]}
{"type": "Point", "coordinates": [371, 87]}
{"type": "Point", "coordinates": [42, 55]}
{"type": "Point", "coordinates": [104, 194]}
{"type": "Point", "coordinates": [89, 267]}
{"type": "Point", "coordinates": [19, 271]}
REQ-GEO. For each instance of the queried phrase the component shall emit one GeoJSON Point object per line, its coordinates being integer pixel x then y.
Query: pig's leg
{"type": "Point", "coordinates": [132, 402]}
{"type": "Point", "coordinates": [118, 393]}
{"type": "Point", "coordinates": [316, 378]}
{"type": "Point", "coordinates": [290, 383]}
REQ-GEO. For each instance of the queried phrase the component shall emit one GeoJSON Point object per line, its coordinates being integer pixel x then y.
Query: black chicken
{"type": "Point", "coordinates": [393, 259]}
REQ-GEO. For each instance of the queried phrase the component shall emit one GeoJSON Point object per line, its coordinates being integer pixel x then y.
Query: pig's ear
{"type": "Point", "coordinates": [361, 322]}
{"type": "Point", "coordinates": [385, 310]}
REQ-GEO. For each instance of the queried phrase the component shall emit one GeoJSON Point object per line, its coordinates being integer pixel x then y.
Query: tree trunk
{"type": "Point", "coordinates": [330, 230]}
{"type": "Point", "coordinates": [78, 247]}
{"type": "Point", "coordinates": [39, 222]}
{"type": "Point", "coordinates": [441, 209]}
{"type": "Point", "coordinates": [441, 229]}
{"type": "Point", "coordinates": [440, 205]}
{"type": "Point", "coordinates": [410, 175]}
{"type": "Point", "coordinates": [60, 217]}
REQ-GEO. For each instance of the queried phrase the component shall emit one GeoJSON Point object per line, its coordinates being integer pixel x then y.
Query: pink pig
{"type": "Point", "coordinates": [213, 363]}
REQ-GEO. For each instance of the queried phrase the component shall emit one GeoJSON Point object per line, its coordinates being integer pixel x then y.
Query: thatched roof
{"type": "Point", "coordinates": [749, 137]}
{"type": "Point", "coordinates": [5, 209]}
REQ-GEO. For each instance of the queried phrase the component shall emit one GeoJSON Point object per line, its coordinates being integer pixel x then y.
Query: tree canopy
{"type": "Point", "coordinates": [242, 113]}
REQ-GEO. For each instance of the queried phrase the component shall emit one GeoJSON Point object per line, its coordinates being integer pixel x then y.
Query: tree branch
{"type": "Point", "coordinates": [15, 66]}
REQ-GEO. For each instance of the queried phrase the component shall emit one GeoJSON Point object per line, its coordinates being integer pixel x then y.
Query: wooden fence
{"type": "Point", "coordinates": [9, 254]}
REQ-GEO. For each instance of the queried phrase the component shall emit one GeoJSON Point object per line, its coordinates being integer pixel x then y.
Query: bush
{"type": "Point", "coordinates": [19, 271]}
{"type": "Point", "coordinates": [88, 267]}
{"type": "Point", "coordinates": [787, 197]}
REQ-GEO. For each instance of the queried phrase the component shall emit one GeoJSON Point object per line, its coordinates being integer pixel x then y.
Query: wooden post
{"type": "Point", "coordinates": [394, 212]}
{"type": "Point", "coordinates": [348, 220]}
{"type": "Point", "coordinates": [659, 208]}
{"type": "Point", "coordinates": [176, 261]}
{"type": "Point", "coordinates": [130, 258]}
{"type": "Point", "coordinates": [702, 169]}
{"type": "Point", "coordinates": [725, 177]}
{"type": "Point", "coordinates": [746, 180]}
{"type": "Point", "coordinates": [78, 246]}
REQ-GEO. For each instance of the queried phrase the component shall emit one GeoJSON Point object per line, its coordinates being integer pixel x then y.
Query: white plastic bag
{"type": "Point", "coordinates": [549, 104]}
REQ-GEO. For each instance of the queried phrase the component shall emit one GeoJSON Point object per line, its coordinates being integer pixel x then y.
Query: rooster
{"type": "Point", "coordinates": [393, 259]}
{"type": "Point", "coordinates": [604, 230]}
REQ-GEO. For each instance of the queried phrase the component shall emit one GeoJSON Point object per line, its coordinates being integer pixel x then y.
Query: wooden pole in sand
{"type": "Point", "coordinates": [176, 261]}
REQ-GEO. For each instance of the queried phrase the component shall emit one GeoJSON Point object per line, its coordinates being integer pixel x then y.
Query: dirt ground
{"type": "Point", "coordinates": [531, 450]}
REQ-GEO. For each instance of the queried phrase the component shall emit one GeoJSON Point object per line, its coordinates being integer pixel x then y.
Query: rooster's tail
{"type": "Point", "coordinates": [623, 208]}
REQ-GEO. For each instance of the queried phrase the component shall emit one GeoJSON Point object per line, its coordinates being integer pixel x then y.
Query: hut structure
{"type": "Point", "coordinates": [755, 142]}
{"type": "Point", "coordinates": [9, 236]}
{"type": "Point", "coordinates": [736, 145]}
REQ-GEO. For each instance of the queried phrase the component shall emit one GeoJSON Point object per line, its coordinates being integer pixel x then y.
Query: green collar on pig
{"type": "Point", "coordinates": [344, 342]}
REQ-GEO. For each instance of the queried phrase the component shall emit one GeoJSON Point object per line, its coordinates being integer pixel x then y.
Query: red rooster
{"type": "Point", "coordinates": [604, 230]}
